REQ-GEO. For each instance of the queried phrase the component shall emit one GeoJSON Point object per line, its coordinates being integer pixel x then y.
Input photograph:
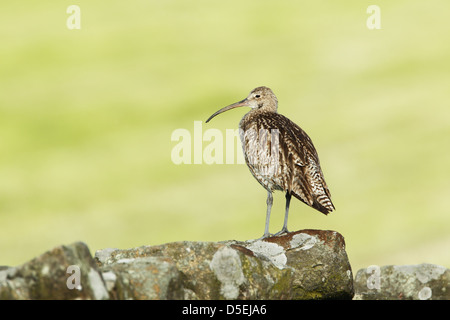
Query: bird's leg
{"type": "Point", "coordinates": [288, 201]}
{"type": "Point", "coordinates": [269, 207]}
{"type": "Point", "coordinates": [286, 214]}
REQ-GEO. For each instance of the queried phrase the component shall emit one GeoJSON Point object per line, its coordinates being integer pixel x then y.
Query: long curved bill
{"type": "Point", "coordinates": [242, 103]}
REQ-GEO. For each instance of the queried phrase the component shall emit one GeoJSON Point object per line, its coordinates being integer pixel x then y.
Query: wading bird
{"type": "Point", "coordinates": [280, 155]}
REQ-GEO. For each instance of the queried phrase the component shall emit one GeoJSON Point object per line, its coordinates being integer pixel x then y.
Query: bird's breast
{"type": "Point", "coordinates": [260, 144]}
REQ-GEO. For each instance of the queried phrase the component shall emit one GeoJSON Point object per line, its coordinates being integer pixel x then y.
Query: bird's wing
{"type": "Point", "coordinates": [303, 175]}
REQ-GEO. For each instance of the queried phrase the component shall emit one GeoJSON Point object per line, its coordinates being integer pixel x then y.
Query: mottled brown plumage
{"type": "Point", "coordinates": [280, 155]}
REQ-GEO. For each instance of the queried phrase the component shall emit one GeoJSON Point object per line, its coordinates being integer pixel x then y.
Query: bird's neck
{"type": "Point", "coordinates": [263, 109]}
{"type": "Point", "coordinates": [250, 116]}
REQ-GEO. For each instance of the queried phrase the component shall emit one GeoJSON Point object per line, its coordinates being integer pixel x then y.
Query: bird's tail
{"type": "Point", "coordinates": [323, 204]}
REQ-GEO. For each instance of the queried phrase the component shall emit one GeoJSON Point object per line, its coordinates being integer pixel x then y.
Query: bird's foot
{"type": "Point", "coordinates": [265, 236]}
{"type": "Point", "coordinates": [283, 231]}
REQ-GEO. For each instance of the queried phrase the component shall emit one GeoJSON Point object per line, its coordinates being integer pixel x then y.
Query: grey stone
{"type": "Point", "coordinates": [404, 282]}
{"type": "Point", "coordinates": [65, 272]}
{"type": "Point", "coordinates": [307, 264]}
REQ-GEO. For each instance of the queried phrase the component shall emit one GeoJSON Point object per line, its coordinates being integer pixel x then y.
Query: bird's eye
{"type": "Point", "coordinates": [257, 96]}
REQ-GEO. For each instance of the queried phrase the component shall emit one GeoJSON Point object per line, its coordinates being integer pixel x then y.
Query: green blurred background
{"type": "Point", "coordinates": [86, 118]}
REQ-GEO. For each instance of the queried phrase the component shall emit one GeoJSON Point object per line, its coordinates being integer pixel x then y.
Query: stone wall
{"type": "Point", "coordinates": [405, 282]}
{"type": "Point", "coordinates": [306, 264]}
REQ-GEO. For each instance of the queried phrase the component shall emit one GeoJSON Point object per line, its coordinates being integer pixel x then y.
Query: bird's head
{"type": "Point", "coordinates": [261, 98]}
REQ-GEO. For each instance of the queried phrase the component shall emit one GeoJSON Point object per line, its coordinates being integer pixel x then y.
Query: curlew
{"type": "Point", "coordinates": [280, 155]}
